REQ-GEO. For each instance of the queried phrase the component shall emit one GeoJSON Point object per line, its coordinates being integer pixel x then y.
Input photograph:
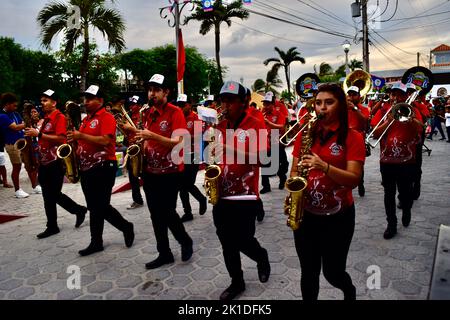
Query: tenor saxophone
{"type": "Point", "coordinates": [67, 151]}
{"type": "Point", "coordinates": [134, 152]}
{"type": "Point", "coordinates": [25, 145]}
{"type": "Point", "coordinates": [295, 201]}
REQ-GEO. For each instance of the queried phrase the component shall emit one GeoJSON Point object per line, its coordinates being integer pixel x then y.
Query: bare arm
{"type": "Point", "coordinates": [99, 140]}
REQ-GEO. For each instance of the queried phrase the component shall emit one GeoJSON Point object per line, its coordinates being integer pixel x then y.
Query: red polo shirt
{"type": "Point", "coordinates": [158, 159]}
{"type": "Point", "coordinates": [354, 122]}
{"type": "Point", "coordinates": [399, 143]}
{"type": "Point", "coordinates": [323, 195]}
{"type": "Point", "coordinates": [54, 124]}
{"type": "Point", "coordinates": [422, 108]}
{"type": "Point", "coordinates": [241, 181]}
{"type": "Point", "coordinates": [100, 124]}
{"type": "Point", "coordinates": [281, 107]}
{"type": "Point", "coordinates": [275, 117]}
{"type": "Point", "coordinates": [257, 114]}
{"type": "Point", "coordinates": [192, 121]}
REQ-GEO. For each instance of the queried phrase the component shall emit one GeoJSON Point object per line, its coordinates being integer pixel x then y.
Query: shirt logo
{"type": "Point", "coordinates": [93, 124]}
{"type": "Point", "coordinates": [163, 126]}
{"type": "Point", "coordinates": [335, 149]}
{"type": "Point", "coordinates": [190, 124]}
{"type": "Point", "coordinates": [48, 127]}
{"type": "Point", "coordinates": [242, 136]}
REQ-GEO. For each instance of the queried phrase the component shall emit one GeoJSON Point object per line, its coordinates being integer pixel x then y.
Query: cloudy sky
{"type": "Point", "coordinates": [247, 43]}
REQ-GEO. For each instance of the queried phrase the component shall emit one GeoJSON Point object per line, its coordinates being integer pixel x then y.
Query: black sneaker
{"type": "Point", "coordinates": [160, 261]}
{"type": "Point", "coordinates": [390, 232]}
{"type": "Point", "coordinates": [416, 191]}
{"type": "Point", "coordinates": [264, 268]}
{"type": "Point", "coordinates": [48, 232]}
{"type": "Point", "coordinates": [282, 183]}
{"type": "Point", "coordinates": [92, 248]}
{"type": "Point", "coordinates": [260, 215]}
{"type": "Point", "coordinates": [406, 218]}
{"type": "Point", "coordinates": [233, 291]}
{"type": "Point", "coordinates": [187, 217]}
{"type": "Point", "coordinates": [80, 218]}
{"type": "Point", "coordinates": [264, 190]}
{"type": "Point", "coordinates": [128, 235]}
{"type": "Point", "coordinates": [186, 251]}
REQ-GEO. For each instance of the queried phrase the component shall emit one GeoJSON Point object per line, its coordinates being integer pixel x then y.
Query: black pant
{"type": "Point", "coordinates": [399, 176]}
{"type": "Point", "coordinates": [188, 186]}
{"type": "Point", "coordinates": [324, 241]}
{"type": "Point", "coordinates": [436, 123]}
{"type": "Point", "coordinates": [135, 185]}
{"type": "Point", "coordinates": [161, 191]}
{"type": "Point", "coordinates": [97, 184]}
{"type": "Point", "coordinates": [418, 173]}
{"type": "Point", "coordinates": [51, 178]}
{"type": "Point", "coordinates": [282, 167]}
{"type": "Point", "coordinates": [235, 227]}
{"type": "Point", "coordinates": [448, 133]}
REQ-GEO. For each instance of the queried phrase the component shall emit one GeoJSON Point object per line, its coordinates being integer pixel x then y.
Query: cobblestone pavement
{"type": "Point", "coordinates": [37, 269]}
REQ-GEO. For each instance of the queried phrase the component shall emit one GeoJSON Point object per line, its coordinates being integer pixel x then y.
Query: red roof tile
{"type": "Point", "coordinates": [442, 47]}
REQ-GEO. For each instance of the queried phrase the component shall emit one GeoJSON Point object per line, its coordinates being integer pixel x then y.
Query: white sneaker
{"type": "Point", "coordinates": [38, 189]}
{"type": "Point", "coordinates": [21, 194]}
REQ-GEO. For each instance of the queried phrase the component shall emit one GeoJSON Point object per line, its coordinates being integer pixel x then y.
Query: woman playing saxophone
{"type": "Point", "coordinates": [334, 161]}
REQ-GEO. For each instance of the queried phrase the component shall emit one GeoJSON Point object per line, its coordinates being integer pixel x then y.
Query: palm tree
{"type": "Point", "coordinates": [214, 18]}
{"type": "Point", "coordinates": [272, 82]}
{"type": "Point", "coordinates": [355, 64]}
{"type": "Point", "coordinates": [324, 69]}
{"type": "Point", "coordinates": [285, 60]}
{"type": "Point", "coordinates": [53, 19]}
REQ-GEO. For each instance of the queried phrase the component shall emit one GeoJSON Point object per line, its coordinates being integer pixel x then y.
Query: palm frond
{"type": "Point", "coordinates": [111, 24]}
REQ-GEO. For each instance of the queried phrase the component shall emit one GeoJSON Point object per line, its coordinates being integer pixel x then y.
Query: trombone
{"type": "Point", "coordinates": [401, 112]}
{"type": "Point", "coordinates": [290, 135]}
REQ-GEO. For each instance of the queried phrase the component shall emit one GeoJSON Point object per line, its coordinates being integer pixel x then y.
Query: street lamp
{"type": "Point", "coordinates": [346, 46]}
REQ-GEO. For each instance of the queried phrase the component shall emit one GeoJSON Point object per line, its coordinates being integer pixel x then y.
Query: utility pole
{"type": "Point", "coordinates": [418, 59]}
{"type": "Point", "coordinates": [365, 30]}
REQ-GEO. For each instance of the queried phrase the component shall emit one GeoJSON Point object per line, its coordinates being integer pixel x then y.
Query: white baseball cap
{"type": "Point", "coordinates": [411, 86]}
{"type": "Point", "coordinates": [399, 86]}
{"type": "Point", "coordinates": [353, 88]}
{"type": "Point", "coordinates": [182, 97]}
{"type": "Point", "coordinates": [268, 97]}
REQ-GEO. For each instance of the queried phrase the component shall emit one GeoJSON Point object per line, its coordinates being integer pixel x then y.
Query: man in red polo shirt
{"type": "Point", "coordinates": [162, 175]}
{"type": "Point", "coordinates": [51, 171]}
{"type": "Point", "coordinates": [191, 168]}
{"type": "Point", "coordinates": [274, 119]}
{"type": "Point", "coordinates": [397, 160]}
{"type": "Point", "coordinates": [98, 167]}
{"type": "Point", "coordinates": [234, 214]}
{"type": "Point", "coordinates": [358, 116]}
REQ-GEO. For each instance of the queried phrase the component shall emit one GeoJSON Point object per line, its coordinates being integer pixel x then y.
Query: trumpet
{"type": "Point", "coordinates": [290, 135]}
{"type": "Point", "coordinates": [122, 118]}
{"type": "Point", "coordinates": [401, 112]}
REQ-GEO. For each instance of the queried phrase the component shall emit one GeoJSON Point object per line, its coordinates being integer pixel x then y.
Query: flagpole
{"type": "Point", "coordinates": [175, 10]}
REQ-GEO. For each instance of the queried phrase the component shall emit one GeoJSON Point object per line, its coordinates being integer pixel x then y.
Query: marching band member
{"type": "Point", "coordinates": [51, 170]}
{"type": "Point", "coordinates": [134, 181]}
{"type": "Point", "coordinates": [191, 168]}
{"type": "Point", "coordinates": [162, 176]}
{"type": "Point", "coordinates": [358, 116]}
{"type": "Point", "coordinates": [335, 164]}
{"type": "Point", "coordinates": [12, 126]}
{"type": "Point", "coordinates": [98, 166]}
{"type": "Point", "coordinates": [274, 119]}
{"type": "Point", "coordinates": [234, 214]}
{"type": "Point", "coordinates": [397, 160]}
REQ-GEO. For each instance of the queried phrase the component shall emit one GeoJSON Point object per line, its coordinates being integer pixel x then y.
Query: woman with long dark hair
{"type": "Point", "coordinates": [334, 165]}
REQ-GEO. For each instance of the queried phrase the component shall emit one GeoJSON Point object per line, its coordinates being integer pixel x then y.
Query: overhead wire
{"type": "Point", "coordinates": [395, 11]}
{"type": "Point", "coordinates": [325, 13]}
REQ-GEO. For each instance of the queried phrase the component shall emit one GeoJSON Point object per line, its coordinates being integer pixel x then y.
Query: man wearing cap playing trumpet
{"type": "Point", "coordinates": [96, 151]}
{"type": "Point", "coordinates": [162, 175]}
{"type": "Point", "coordinates": [51, 171]}
{"type": "Point", "coordinates": [397, 159]}
{"type": "Point", "coordinates": [358, 115]}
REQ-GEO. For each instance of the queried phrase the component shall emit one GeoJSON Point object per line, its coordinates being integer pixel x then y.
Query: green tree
{"type": "Point", "coordinates": [355, 64]}
{"type": "Point", "coordinates": [11, 57]}
{"type": "Point", "coordinates": [53, 19]}
{"type": "Point", "coordinates": [200, 72]}
{"type": "Point", "coordinates": [213, 19]}
{"type": "Point", "coordinates": [324, 69]}
{"type": "Point", "coordinates": [272, 82]}
{"type": "Point", "coordinates": [285, 60]}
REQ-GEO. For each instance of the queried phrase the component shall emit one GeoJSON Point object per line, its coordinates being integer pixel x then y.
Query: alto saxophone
{"type": "Point", "coordinates": [67, 151]}
{"type": "Point", "coordinates": [213, 172]}
{"type": "Point", "coordinates": [134, 152]}
{"type": "Point", "coordinates": [294, 202]}
{"type": "Point", "coordinates": [25, 145]}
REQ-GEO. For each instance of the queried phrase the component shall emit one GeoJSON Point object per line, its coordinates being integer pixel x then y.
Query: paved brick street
{"type": "Point", "coordinates": [37, 269]}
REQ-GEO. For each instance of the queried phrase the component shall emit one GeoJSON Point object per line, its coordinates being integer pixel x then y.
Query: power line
{"type": "Point", "coordinates": [290, 14]}
{"type": "Point", "coordinates": [423, 16]}
{"type": "Point", "coordinates": [395, 11]}
{"type": "Point", "coordinates": [325, 13]}
{"type": "Point", "coordinates": [391, 43]}
{"type": "Point", "coordinates": [385, 55]}
{"type": "Point", "coordinates": [384, 11]}
{"type": "Point", "coordinates": [279, 37]}
{"type": "Point", "coordinates": [342, 35]}
{"type": "Point", "coordinates": [416, 27]}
